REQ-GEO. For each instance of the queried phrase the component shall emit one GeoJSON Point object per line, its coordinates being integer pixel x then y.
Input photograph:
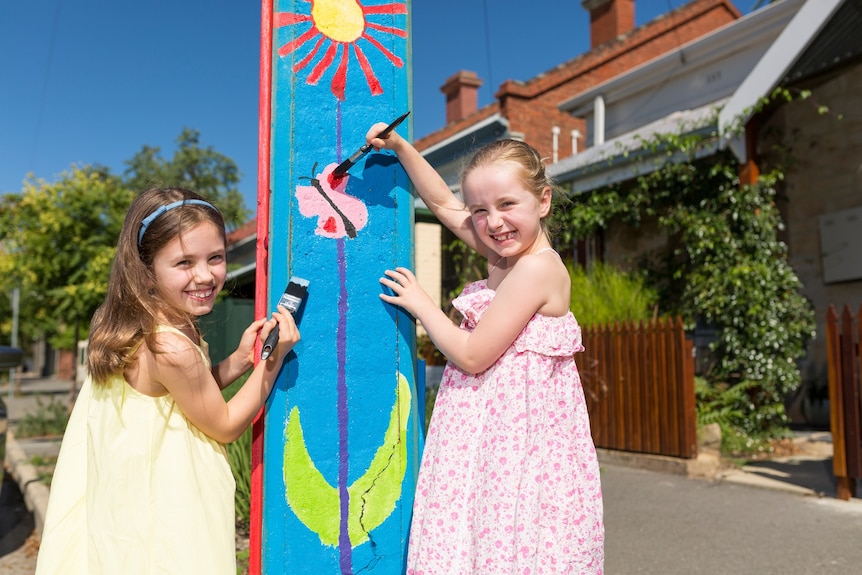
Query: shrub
{"type": "Point", "coordinates": [739, 414]}
{"type": "Point", "coordinates": [427, 351]}
{"type": "Point", "coordinates": [604, 294]}
{"type": "Point", "coordinates": [48, 420]}
{"type": "Point", "coordinates": [723, 265]}
{"type": "Point", "coordinates": [239, 456]}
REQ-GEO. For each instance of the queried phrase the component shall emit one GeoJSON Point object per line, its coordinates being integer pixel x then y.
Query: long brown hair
{"type": "Point", "coordinates": [133, 306]}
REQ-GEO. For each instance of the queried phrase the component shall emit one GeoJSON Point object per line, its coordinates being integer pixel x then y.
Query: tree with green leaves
{"type": "Point", "coordinates": [57, 241]}
{"type": "Point", "coordinates": [204, 170]}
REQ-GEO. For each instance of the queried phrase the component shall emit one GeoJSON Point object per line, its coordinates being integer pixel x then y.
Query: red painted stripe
{"type": "Point", "coordinates": [264, 136]}
{"type": "Point", "coordinates": [394, 8]}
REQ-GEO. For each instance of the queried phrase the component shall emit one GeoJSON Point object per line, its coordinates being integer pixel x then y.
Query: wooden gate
{"type": "Point", "coordinates": [843, 345]}
{"type": "Point", "coordinates": [639, 383]}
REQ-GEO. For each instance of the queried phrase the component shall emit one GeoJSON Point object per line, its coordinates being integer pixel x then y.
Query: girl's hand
{"type": "Point", "coordinates": [391, 142]}
{"type": "Point", "coordinates": [408, 293]}
{"type": "Point", "coordinates": [242, 359]}
{"type": "Point", "coordinates": [288, 333]}
{"type": "Point", "coordinates": [245, 349]}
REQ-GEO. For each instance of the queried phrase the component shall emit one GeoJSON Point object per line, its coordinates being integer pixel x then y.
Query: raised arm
{"type": "Point", "coordinates": [445, 205]}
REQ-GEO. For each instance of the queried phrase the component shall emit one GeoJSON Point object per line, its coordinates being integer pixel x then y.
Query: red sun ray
{"type": "Point", "coordinates": [296, 42]}
{"type": "Point", "coordinates": [394, 8]}
{"type": "Point", "coordinates": [304, 62]}
{"type": "Point", "coordinates": [339, 79]}
{"type": "Point", "coordinates": [392, 57]}
{"type": "Point", "coordinates": [323, 65]}
{"type": "Point", "coordinates": [373, 82]}
{"type": "Point", "coordinates": [387, 29]}
{"type": "Point", "coordinates": [313, 34]}
{"type": "Point", "coordinates": [288, 18]}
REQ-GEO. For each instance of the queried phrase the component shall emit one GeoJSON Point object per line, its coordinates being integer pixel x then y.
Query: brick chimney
{"type": "Point", "coordinates": [609, 19]}
{"type": "Point", "coordinates": [462, 95]}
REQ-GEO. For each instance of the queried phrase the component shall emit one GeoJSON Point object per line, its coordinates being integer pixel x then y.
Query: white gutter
{"type": "Point", "coordinates": [240, 271]}
{"type": "Point", "coordinates": [575, 135]}
{"type": "Point", "coordinates": [555, 137]}
{"type": "Point", "coordinates": [598, 120]}
{"type": "Point", "coordinates": [471, 128]}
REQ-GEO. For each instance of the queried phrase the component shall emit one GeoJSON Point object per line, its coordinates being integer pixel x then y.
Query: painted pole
{"type": "Point", "coordinates": [339, 440]}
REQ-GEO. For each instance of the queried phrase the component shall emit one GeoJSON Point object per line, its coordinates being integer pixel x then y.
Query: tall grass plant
{"type": "Point", "coordinates": [239, 457]}
{"type": "Point", "coordinates": [604, 294]}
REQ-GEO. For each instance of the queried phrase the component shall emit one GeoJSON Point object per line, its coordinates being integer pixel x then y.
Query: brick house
{"type": "Point", "coordinates": [679, 91]}
{"type": "Point", "coordinates": [532, 111]}
{"type": "Point", "coordinates": [801, 45]}
{"type": "Point", "coordinates": [670, 74]}
{"type": "Point", "coordinates": [820, 199]}
{"type": "Point", "coordinates": [528, 110]}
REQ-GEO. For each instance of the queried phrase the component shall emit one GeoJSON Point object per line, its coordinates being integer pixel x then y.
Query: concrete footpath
{"type": "Point", "coordinates": [807, 471]}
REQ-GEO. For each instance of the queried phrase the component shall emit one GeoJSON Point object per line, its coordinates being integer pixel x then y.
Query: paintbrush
{"type": "Point", "coordinates": [292, 298]}
{"type": "Point", "coordinates": [342, 168]}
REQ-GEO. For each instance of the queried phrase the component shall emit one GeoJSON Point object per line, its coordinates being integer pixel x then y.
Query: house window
{"type": "Point", "coordinates": [590, 250]}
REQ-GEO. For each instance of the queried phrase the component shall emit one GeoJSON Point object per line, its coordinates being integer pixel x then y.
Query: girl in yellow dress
{"type": "Point", "coordinates": [142, 483]}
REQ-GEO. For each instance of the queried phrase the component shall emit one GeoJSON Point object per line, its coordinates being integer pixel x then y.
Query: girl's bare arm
{"type": "Point", "coordinates": [182, 371]}
{"type": "Point", "coordinates": [445, 205]}
{"type": "Point", "coordinates": [525, 290]}
{"type": "Point", "coordinates": [240, 361]}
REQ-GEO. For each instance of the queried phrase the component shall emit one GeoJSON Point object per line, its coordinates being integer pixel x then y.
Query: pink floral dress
{"type": "Point", "coordinates": [509, 481]}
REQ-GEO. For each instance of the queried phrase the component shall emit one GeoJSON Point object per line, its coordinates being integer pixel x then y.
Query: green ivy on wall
{"type": "Point", "coordinates": [723, 264]}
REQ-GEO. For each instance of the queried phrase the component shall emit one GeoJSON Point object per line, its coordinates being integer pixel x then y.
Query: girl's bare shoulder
{"type": "Point", "coordinates": [542, 265]}
{"type": "Point", "coordinates": [546, 276]}
{"type": "Point", "coordinates": [173, 348]}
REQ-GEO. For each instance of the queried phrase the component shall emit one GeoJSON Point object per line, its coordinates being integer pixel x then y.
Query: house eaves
{"type": "Point", "coordinates": [628, 156]}
{"type": "Point", "coordinates": [701, 71]}
{"type": "Point", "coordinates": [584, 64]}
{"type": "Point", "coordinates": [839, 41]}
{"type": "Point", "coordinates": [448, 131]}
{"type": "Point", "coordinates": [238, 273]}
{"type": "Point", "coordinates": [463, 138]}
{"type": "Point", "coordinates": [447, 156]}
{"type": "Point", "coordinates": [790, 48]}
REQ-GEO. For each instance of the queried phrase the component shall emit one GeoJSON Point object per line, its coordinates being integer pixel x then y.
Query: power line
{"type": "Point", "coordinates": [44, 95]}
{"type": "Point", "coordinates": [491, 85]}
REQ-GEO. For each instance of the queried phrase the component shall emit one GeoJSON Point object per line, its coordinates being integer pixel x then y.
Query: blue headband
{"type": "Point", "coordinates": [153, 216]}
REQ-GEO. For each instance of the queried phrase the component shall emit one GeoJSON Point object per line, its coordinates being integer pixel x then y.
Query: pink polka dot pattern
{"type": "Point", "coordinates": [509, 481]}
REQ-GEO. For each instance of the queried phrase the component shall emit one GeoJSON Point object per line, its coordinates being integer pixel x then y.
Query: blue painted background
{"type": "Point", "coordinates": [380, 341]}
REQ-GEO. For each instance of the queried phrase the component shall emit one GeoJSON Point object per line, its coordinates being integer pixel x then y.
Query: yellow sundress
{"type": "Point", "coordinates": [138, 489]}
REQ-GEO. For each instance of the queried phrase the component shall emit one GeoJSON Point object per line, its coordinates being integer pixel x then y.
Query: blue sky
{"type": "Point", "coordinates": [92, 81]}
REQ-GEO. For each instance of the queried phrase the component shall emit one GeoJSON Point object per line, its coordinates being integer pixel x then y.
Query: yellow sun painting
{"type": "Point", "coordinates": [334, 27]}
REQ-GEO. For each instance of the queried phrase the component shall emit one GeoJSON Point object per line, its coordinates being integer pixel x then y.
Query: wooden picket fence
{"type": "Point", "coordinates": [638, 380]}
{"type": "Point", "coordinates": [843, 340]}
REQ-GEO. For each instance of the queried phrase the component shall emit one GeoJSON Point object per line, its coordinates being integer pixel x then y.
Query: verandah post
{"type": "Point", "coordinates": [340, 437]}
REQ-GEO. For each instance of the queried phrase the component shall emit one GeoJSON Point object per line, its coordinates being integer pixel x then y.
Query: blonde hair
{"type": "Point", "coordinates": [133, 305]}
{"type": "Point", "coordinates": [530, 166]}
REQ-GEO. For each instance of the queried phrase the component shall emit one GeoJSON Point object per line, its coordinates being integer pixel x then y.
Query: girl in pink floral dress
{"type": "Point", "coordinates": [509, 481]}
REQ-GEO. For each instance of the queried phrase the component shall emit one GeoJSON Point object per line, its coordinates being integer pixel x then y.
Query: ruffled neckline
{"type": "Point", "coordinates": [548, 335]}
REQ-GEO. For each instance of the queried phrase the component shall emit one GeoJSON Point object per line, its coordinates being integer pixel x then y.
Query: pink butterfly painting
{"type": "Point", "coordinates": [338, 214]}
